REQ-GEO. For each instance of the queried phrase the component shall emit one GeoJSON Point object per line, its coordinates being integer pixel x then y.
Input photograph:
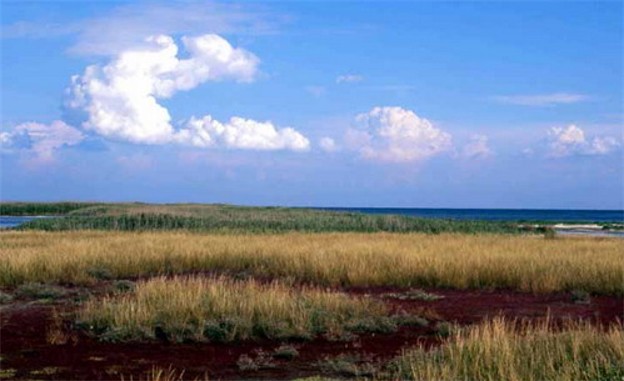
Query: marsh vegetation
{"type": "Point", "coordinates": [329, 259]}
{"type": "Point", "coordinates": [270, 288]}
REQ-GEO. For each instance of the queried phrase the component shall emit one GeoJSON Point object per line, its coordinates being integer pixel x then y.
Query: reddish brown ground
{"type": "Point", "coordinates": [23, 344]}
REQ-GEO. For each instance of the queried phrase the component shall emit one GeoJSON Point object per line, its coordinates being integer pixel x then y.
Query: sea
{"type": "Point", "coordinates": [523, 215]}
{"type": "Point", "coordinates": [13, 221]}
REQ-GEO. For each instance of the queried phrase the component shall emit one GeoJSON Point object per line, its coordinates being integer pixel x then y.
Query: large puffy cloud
{"type": "Point", "coordinates": [571, 140]}
{"type": "Point", "coordinates": [121, 98]}
{"type": "Point", "coordinates": [394, 134]}
{"type": "Point", "coordinates": [41, 139]}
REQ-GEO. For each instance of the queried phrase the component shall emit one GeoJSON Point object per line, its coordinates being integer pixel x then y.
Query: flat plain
{"type": "Point", "coordinates": [173, 303]}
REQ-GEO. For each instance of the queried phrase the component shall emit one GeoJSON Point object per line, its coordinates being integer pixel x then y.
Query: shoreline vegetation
{"type": "Point", "coordinates": [239, 219]}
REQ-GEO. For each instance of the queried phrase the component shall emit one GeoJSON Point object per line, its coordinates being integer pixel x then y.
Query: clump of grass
{"type": "Point", "coordinates": [123, 285]}
{"type": "Point", "coordinates": [8, 373]}
{"type": "Point", "coordinates": [445, 329]}
{"type": "Point", "coordinates": [47, 371]}
{"type": "Point", "coordinates": [55, 332]}
{"type": "Point", "coordinates": [100, 273]}
{"type": "Point", "coordinates": [413, 294]}
{"type": "Point", "coordinates": [509, 350]}
{"type": "Point", "coordinates": [261, 360]}
{"type": "Point", "coordinates": [349, 365]}
{"type": "Point", "coordinates": [405, 319]}
{"type": "Point", "coordinates": [285, 352]}
{"type": "Point", "coordinates": [581, 297]}
{"type": "Point", "coordinates": [5, 298]}
{"type": "Point", "coordinates": [35, 290]}
{"type": "Point", "coordinates": [221, 310]}
{"type": "Point", "coordinates": [550, 233]}
{"type": "Point", "coordinates": [346, 259]}
{"type": "Point", "coordinates": [164, 374]}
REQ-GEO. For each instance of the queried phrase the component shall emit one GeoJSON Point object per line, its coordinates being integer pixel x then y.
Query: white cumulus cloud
{"type": "Point", "coordinates": [242, 134]}
{"type": "Point", "coordinates": [477, 148]}
{"type": "Point", "coordinates": [121, 98]}
{"type": "Point", "coordinates": [349, 78]}
{"type": "Point", "coordinates": [41, 139]}
{"type": "Point", "coordinates": [394, 134]}
{"type": "Point", "coordinates": [571, 140]}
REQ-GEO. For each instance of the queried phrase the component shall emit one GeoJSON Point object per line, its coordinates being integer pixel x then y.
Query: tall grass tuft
{"type": "Point", "coordinates": [222, 310]}
{"type": "Point", "coordinates": [509, 350]}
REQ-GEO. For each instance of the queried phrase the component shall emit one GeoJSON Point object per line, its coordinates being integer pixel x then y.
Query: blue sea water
{"type": "Point", "coordinates": [13, 221]}
{"type": "Point", "coordinates": [524, 215]}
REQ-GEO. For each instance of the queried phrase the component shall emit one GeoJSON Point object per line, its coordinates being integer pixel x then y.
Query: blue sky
{"type": "Point", "coordinates": [406, 104]}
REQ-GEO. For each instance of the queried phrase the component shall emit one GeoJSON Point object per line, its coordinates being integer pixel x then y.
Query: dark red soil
{"type": "Point", "coordinates": [472, 306]}
{"type": "Point", "coordinates": [23, 344]}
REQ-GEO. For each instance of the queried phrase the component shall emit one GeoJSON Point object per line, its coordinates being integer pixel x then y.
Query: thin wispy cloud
{"type": "Point", "coordinates": [541, 100]}
{"type": "Point", "coordinates": [349, 78]}
{"type": "Point", "coordinates": [477, 148]}
{"type": "Point", "coordinates": [400, 88]}
{"type": "Point", "coordinates": [125, 27]}
{"type": "Point", "coordinates": [328, 144]}
{"type": "Point", "coordinates": [317, 91]}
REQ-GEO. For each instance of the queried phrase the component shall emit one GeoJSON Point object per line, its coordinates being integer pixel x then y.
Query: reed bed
{"type": "Point", "coordinates": [229, 218]}
{"type": "Point", "coordinates": [218, 309]}
{"type": "Point", "coordinates": [525, 263]}
{"type": "Point", "coordinates": [513, 351]}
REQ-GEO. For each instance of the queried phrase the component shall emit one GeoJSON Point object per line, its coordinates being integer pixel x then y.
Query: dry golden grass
{"type": "Point", "coordinates": [218, 309]}
{"type": "Point", "coordinates": [500, 350]}
{"type": "Point", "coordinates": [527, 263]}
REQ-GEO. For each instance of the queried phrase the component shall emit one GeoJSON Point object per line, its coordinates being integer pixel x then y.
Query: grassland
{"type": "Point", "coordinates": [202, 273]}
{"type": "Point", "coordinates": [500, 350]}
{"type": "Point", "coordinates": [227, 218]}
{"type": "Point", "coordinates": [222, 310]}
{"type": "Point", "coordinates": [525, 263]}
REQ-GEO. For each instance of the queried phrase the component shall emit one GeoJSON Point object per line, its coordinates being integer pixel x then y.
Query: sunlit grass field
{"type": "Point", "coordinates": [500, 350]}
{"type": "Point", "coordinates": [223, 287]}
{"type": "Point", "coordinates": [526, 263]}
